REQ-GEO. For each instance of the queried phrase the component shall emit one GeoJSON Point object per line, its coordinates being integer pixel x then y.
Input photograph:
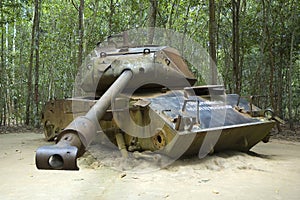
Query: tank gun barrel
{"type": "Point", "coordinates": [73, 140]}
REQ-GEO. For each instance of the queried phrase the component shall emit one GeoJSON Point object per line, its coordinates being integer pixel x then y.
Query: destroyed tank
{"type": "Point", "coordinates": [144, 98]}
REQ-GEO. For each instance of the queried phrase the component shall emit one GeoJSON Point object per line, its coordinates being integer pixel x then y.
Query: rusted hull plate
{"type": "Point", "coordinates": [240, 138]}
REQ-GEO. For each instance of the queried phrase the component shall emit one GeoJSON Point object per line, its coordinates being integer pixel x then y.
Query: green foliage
{"type": "Point", "coordinates": [266, 32]}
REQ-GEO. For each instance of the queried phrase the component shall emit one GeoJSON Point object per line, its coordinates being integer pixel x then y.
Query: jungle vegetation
{"type": "Point", "coordinates": [255, 44]}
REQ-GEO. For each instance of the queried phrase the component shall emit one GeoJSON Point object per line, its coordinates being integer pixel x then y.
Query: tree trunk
{"type": "Point", "coordinates": [30, 66]}
{"type": "Point", "coordinates": [212, 42]}
{"type": "Point", "coordinates": [235, 46]}
{"type": "Point", "coordinates": [80, 33]}
{"type": "Point", "coordinates": [186, 17]}
{"type": "Point", "coordinates": [14, 108]}
{"type": "Point", "coordinates": [170, 17]}
{"type": "Point", "coordinates": [37, 66]}
{"type": "Point", "coordinates": [280, 88]}
{"type": "Point", "coordinates": [7, 92]}
{"type": "Point", "coordinates": [290, 68]}
{"type": "Point", "coordinates": [2, 102]}
{"type": "Point", "coordinates": [270, 57]}
{"type": "Point", "coordinates": [152, 20]}
{"type": "Point", "coordinates": [111, 15]}
{"type": "Point", "coordinates": [290, 72]}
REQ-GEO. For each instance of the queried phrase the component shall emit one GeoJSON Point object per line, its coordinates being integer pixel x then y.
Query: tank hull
{"type": "Point", "coordinates": [170, 134]}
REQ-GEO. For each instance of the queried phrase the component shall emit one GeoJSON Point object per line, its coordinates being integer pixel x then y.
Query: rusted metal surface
{"type": "Point", "coordinates": [68, 108]}
{"type": "Point", "coordinates": [74, 139]}
{"type": "Point", "coordinates": [61, 156]}
{"type": "Point", "coordinates": [175, 122]}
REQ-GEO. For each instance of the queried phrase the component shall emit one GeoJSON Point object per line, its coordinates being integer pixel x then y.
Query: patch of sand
{"type": "Point", "coordinates": [271, 171]}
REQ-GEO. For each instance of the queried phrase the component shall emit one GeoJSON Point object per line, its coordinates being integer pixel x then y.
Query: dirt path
{"type": "Point", "coordinates": [272, 173]}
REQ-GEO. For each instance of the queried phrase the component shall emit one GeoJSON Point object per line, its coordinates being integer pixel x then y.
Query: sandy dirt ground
{"type": "Point", "coordinates": [271, 172]}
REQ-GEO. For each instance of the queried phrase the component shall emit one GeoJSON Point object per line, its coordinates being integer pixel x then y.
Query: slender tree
{"type": "Point", "coordinates": [236, 45]}
{"type": "Point", "coordinates": [37, 64]}
{"type": "Point", "coordinates": [80, 32]}
{"type": "Point", "coordinates": [30, 66]}
{"type": "Point", "coordinates": [2, 102]}
{"type": "Point", "coordinates": [212, 41]}
{"type": "Point", "coordinates": [152, 19]}
{"type": "Point", "coordinates": [111, 17]}
{"type": "Point", "coordinates": [170, 17]}
{"type": "Point", "coordinates": [290, 72]}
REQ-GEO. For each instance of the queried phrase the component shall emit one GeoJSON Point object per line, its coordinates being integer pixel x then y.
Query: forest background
{"type": "Point", "coordinates": [255, 45]}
